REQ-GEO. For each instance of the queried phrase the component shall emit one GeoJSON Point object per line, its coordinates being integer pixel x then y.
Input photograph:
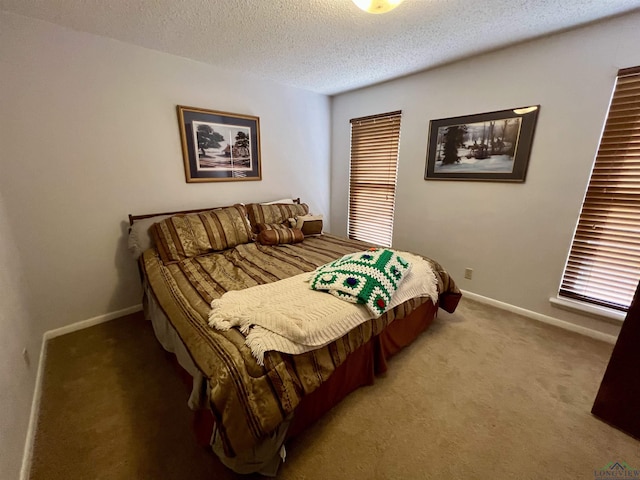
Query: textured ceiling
{"type": "Point", "coordinates": [327, 46]}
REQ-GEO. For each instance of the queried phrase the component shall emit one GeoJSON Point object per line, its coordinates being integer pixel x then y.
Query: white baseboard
{"type": "Point", "coordinates": [37, 393]}
{"type": "Point", "coordinates": [91, 322]}
{"type": "Point", "coordinates": [33, 417]}
{"type": "Point", "coordinates": [541, 318]}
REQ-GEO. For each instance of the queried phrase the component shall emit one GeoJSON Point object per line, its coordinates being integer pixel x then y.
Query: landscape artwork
{"type": "Point", "coordinates": [222, 147]}
{"type": "Point", "coordinates": [492, 146]}
{"type": "Point", "coordinates": [478, 147]}
{"type": "Point", "coordinates": [219, 146]}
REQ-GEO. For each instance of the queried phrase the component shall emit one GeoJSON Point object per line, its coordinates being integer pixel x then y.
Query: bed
{"type": "Point", "coordinates": [189, 259]}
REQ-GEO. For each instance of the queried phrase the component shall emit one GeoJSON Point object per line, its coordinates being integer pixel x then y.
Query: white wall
{"type": "Point", "coordinates": [90, 134]}
{"type": "Point", "coordinates": [17, 327]}
{"type": "Point", "coordinates": [516, 237]}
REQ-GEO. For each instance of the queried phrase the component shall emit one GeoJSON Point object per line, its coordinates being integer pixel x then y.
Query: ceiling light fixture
{"type": "Point", "coordinates": [377, 6]}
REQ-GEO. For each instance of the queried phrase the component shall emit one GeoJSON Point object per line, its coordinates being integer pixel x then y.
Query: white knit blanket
{"type": "Point", "coordinates": [287, 316]}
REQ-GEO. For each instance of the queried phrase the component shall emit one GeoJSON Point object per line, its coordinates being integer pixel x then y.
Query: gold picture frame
{"type": "Point", "coordinates": [219, 146]}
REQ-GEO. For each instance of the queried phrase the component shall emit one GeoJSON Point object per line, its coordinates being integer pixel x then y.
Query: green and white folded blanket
{"type": "Point", "coordinates": [369, 278]}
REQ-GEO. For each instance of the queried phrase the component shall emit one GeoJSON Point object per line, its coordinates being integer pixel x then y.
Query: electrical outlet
{"type": "Point", "coordinates": [468, 273]}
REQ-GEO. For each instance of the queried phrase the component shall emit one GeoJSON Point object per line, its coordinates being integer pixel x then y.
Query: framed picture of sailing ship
{"type": "Point", "coordinates": [492, 146]}
{"type": "Point", "coordinates": [219, 146]}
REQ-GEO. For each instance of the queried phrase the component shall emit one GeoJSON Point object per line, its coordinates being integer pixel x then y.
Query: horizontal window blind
{"type": "Point", "coordinates": [373, 170]}
{"type": "Point", "coordinates": [603, 267]}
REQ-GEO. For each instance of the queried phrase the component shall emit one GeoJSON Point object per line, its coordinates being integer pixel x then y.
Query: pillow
{"type": "Point", "coordinates": [276, 234]}
{"type": "Point", "coordinates": [185, 236]}
{"type": "Point", "coordinates": [139, 238]}
{"type": "Point", "coordinates": [275, 213]}
{"type": "Point", "coordinates": [309, 224]}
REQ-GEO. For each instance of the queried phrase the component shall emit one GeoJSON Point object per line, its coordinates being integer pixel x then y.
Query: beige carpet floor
{"type": "Point", "coordinates": [483, 394]}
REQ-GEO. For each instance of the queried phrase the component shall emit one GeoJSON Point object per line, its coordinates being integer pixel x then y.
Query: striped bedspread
{"type": "Point", "coordinates": [249, 400]}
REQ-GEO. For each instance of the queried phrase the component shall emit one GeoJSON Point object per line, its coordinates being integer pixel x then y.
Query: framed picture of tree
{"type": "Point", "coordinates": [219, 146]}
{"type": "Point", "coordinates": [492, 146]}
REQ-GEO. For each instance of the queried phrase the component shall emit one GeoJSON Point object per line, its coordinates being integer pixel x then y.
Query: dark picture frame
{"type": "Point", "coordinates": [219, 146]}
{"type": "Point", "coordinates": [493, 146]}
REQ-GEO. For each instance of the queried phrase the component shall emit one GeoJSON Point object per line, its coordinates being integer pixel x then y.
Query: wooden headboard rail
{"type": "Point", "coordinates": [133, 218]}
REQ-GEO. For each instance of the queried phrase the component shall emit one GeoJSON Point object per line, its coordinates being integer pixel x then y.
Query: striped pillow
{"type": "Point", "coordinates": [276, 234]}
{"type": "Point", "coordinates": [278, 213]}
{"type": "Point", "coordinates": [184, 236]}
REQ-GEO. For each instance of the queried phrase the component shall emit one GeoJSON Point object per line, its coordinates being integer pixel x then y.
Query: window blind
{"type": "Point", "coordinates": [373, 171]}
{"type": "Point", "coordinates": [603, 267]}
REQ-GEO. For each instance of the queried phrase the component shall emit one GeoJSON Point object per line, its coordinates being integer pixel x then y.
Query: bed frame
{"type": "Point", "coordinates": [133, 218]}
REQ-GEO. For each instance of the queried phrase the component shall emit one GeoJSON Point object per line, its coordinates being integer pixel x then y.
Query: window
{"type": "Point", "coordinates": [603, 267]}
{"type": "Point", "coordinates": [372, 177]}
